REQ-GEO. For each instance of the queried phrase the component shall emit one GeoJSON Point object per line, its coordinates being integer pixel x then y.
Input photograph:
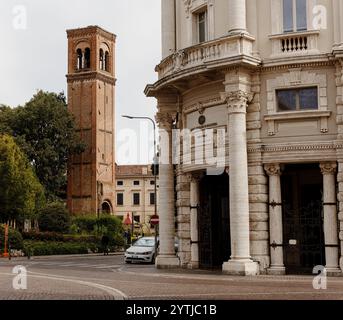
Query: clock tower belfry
{"type": "Point", "coordinates": [91, 92]}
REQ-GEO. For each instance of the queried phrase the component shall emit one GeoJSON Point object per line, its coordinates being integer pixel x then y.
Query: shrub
{"type": "Point", "coordinates": [14, 237]}
{"type": "Point", "coordinates": [38, 248]}
{"type": "Point", "coordinates": [57, 237]}
{"type": "Point", "coordinates": [54, 218]}
{"type": "Point", "coordinates": [103, 225]}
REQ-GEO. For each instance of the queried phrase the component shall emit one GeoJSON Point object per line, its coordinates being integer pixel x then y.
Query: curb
{"type": "Point", "coordinates": [63, 256]}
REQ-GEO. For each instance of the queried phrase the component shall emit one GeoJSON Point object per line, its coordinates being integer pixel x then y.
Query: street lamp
{"type": "Point", "coordinates": [155, 166]}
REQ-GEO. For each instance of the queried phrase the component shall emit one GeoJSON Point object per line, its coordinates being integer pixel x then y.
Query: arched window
{"type": "Point", "coordinates": [87, 58]}
{"type": "Point", "coordinates": [102, 59]}
{"type": "Point", "coordinates": [79, 59]}
{"type": "Point", "coordinates": [107, 60]}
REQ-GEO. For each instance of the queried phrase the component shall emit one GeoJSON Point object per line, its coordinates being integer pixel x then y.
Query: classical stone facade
{"type": "Point", "coordinates": [91, 85]}
{"type": "Point", "coordinates": [269, 74]}
{"type": "Point", "coordinates": [135, 195]}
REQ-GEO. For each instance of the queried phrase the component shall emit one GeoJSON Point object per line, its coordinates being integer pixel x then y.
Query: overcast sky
{"type": "Point", "coordinates": [35, 56]}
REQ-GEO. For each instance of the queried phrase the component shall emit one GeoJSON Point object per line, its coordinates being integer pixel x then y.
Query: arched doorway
{"type": "Point", "coordinates": [214, 222]}
{"type": "Point", "coordinates": [106, 207]}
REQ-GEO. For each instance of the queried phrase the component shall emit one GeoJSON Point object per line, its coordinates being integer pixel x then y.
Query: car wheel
{"type": "Point", "coordinates": [153, 259]}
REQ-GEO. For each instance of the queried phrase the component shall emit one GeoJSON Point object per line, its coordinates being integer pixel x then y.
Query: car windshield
{"type": "Point", "coordinates": [145, 242]}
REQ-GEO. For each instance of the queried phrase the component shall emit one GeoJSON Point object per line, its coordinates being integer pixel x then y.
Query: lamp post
{"type": "Point", "coordinates": [155, 165]}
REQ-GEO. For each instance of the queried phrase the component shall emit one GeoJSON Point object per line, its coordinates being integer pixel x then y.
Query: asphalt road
{"type": "Point", "coordinates": [108, 278]}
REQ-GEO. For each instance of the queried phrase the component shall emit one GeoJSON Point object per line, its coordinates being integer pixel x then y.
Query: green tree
{"type": "Point", "coordinates": [45, 131]}
{"type": "Point", "coordinates": [21, 194]}
{"type": "Point", "coordinates": [54, 218]}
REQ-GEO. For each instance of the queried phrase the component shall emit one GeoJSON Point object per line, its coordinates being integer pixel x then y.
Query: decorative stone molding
{"type": "Point", "coordinates": [293, 79]}
{"type": "Point", "coordinates": [329, 168]}
{"type": "Point", "coordinates": [273, 169]}
{"type": "Point", "coordinates": [272, 119]}
{"type": "Point", "coordinates": [202, 105]}
{"type": "Point", "coordinates": [237, 101]}
{"type": "Point", "coordinates": [165, 119]}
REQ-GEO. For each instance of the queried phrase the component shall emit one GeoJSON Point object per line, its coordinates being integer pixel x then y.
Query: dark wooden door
{"type": "Point", "coordinates": [214, 222]}
{"type": "Point", "coordinates": [304, 246]}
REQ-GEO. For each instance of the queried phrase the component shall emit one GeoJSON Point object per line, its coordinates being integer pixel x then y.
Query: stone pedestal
{"type": "Point", "coordinates": [275, 220]}
{"type": "Point", "coordinates": [166, 257]}
{"type": "Point", "coordinates": [330, 218]}
{"type": "Point", "coordinates": [240, 262]}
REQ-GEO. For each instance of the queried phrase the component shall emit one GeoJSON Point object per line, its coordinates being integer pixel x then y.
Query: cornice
{"type": "Point", "coordinates": [90, 31]}
{"type": "Point", "coordinates": [296, 147]}
{"type": "Point", "coordinates": [84, 76]}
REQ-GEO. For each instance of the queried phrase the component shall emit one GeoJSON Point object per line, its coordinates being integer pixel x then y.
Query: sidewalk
{"type": "Point", "coordinates": [63, 256]}
{"type": "Point", "coordinates": [215, 275]}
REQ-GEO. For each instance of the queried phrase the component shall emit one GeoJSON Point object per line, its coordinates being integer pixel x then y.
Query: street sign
{"type": "Point", "coordinates": [155, 220]}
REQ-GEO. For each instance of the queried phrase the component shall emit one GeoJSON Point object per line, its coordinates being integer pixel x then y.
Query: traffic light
{"type": "Point", "coordinates": [155, 169]}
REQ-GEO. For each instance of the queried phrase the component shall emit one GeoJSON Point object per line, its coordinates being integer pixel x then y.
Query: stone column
{"type": "Point", "coordinates": [168, 27]}
{"type": "Point", "coordinates": [167, 257]}
{"type": "Point", "coordinates": [275, 219]}
{"type": "Point", "coordinates": [194, 197]}
{"type": "Point", "coordinates": [240, 262]}
{"type": "Point", "coordinates": [237, 16]}
{"type": "Point", "coordinates": [330, 217]}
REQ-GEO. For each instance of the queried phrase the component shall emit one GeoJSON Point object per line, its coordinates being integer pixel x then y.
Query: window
{"type": "Point", "coordinates": [136, 183]}
{"type": "Point", "coordinates": [294, 15]}
{"type": "Point", "coordinates": [79, 59]}
{"type": "Point", "coordinates": [297, 99]}
{"type": "Point", "coordinates": [87, 58]}
{"type": "Point", "coordinates": [202, 26]}
{"type": "Point", "coordinates": [120, 183]}
{"type": "Point", "coordinates": [152, 182]}
{"type": "Point", "coordinates": [137, 219]}
{"type": "Point", "coordinates": [120, 199]}
{"type": "Point", "coordinates": [102, 59]}
{"type": "Point", "coordinates": [152, 199]}
{"type": "Point", "coordinates": [136, 199]}
{"type": "Point", "coordinates": [107, 60]}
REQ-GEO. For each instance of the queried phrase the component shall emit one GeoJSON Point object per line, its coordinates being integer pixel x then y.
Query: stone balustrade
{"type": "Point", "coordinates": [208, 54]}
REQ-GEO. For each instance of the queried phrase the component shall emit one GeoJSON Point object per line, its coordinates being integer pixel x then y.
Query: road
{"type": "Point", "coordinates": [108, 278]}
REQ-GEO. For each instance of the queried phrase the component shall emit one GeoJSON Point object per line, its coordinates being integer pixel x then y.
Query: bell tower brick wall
{"type": "Point", "coordinates": [91, 92]}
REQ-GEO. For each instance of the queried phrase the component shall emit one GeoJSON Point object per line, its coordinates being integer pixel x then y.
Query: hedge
{"type": "Point", "coordinates": [38, 248]}
{"type": "Point", "coordinates": [57, 237]}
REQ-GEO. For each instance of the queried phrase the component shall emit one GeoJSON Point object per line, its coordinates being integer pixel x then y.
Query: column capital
{"type": "Point", "coordinates": [273, 169]}
{"type": "Point", "coordinates": [195, 177]}
{"type": "Point", "coordinates": [328, 168]}
{"type": "Point", "coordinates": [237, 101]}
{"type": "Point", "coordinates": [165, 119]}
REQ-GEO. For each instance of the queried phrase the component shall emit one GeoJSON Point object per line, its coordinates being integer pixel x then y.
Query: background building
{"type": "Point", "coordinates": [91, 91]}
{"type": "Point", "coordinates": [135, 194]}
{"type": "Point", "coordinates": [269, 73]}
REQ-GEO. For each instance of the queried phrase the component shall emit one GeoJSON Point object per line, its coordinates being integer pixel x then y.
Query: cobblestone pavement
{"type": "Point", "coordinates": [108, 278]}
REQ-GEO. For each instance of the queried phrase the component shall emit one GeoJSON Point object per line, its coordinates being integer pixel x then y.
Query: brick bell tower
{"type": "Point", "coordinates": [91, 90]}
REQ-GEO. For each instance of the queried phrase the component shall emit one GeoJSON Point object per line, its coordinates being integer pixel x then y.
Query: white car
{"type": "Point", "coordinates": [143, 250]}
